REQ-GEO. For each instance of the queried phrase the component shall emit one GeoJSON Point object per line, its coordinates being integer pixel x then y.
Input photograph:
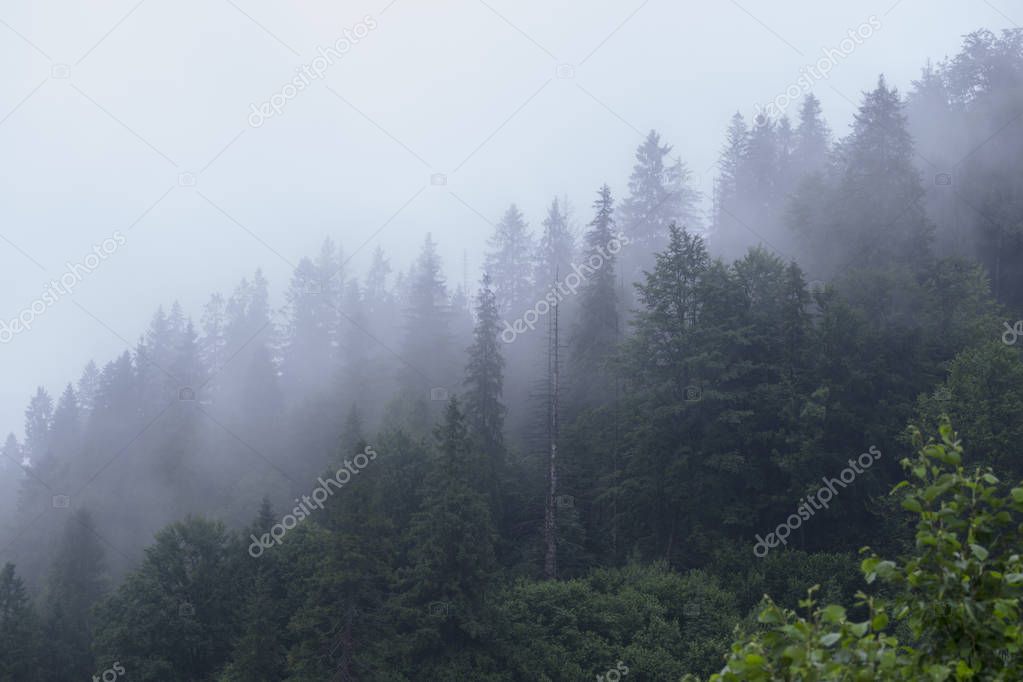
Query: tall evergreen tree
{"type": "Point", "coordinates": [451, 560]}
{"type": "Point", "coordinates": [659, 195]}
{"type": "Point", "coordinates": [596, 331]}
{"type": "Point", "coordinates": [508, 261]}
{"type": "Point", "coordinates": [812, 138]}
{"type": "Point", "coordinates": [427, 358]}
{"type": "Point", "coordinates": [76, 583]}
{"type": "Point", "coordinates": [555, 250]}
{"type": "Point", "coordinates": [88, 386]}
{"type": "Point", "coordinates": [729, 231]}
{"type": "Point", "coordinates": [19, 646]}
{"type": "Point", "coordinates": [484, 385]}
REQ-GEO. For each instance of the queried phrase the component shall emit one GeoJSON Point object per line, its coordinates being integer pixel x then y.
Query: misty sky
{"type": "Point", "coordinates": [107, 106]}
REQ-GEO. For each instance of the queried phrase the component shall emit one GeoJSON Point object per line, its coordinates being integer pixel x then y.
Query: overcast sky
{"type": "Point", "coordinates": [109, 109]}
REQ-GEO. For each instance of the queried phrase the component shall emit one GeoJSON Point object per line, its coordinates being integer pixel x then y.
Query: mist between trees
{"type": "Point", "coordinates": [580, 502]}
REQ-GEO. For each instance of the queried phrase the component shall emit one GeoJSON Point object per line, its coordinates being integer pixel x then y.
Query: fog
{"type": "Point", "coordinates": [487, 341]}
{"type": "Point", "coordinates": [466, 89]}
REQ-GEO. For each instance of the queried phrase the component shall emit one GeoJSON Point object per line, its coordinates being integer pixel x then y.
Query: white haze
{"type": "Point", "coordinates": [460, 86]}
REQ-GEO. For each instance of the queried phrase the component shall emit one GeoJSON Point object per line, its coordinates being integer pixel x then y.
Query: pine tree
{"type": "Point", "coordinates": [555, 251]}
{"type": "Point", "coordinates": [173, 617]}
{"type": "Point", "coordinates": [659, 195]}
{"type": "Point", "coordinates": [812, 138]}
{"type": "Point", "coordinates": [729, 231]}
{"type": "Point", "coordinates": [377, 293]}
{"type": "Point", "coordinates": [67, 423]}
{"type": "Point", "coordinates": [34, 495]}
{"type": "Point", "coordinates": [508, 262]}
{"type": "Point", "coordinates": [19, 648]}
{"type": "Point", "coordinates": [759, 172]}
{"type": "Point", "coordinates": [38, 419]}
{"type": "Point", "coordinates": [596, 332]}
{"type": "Point", "coordinates": [312, 329]}
{"type": "Point", "coordinates": [426, 358]}
{"type": "Point", "coordinates": [484, 385]}
{"type": "Point", "coordinates": [88, 386]}
{"type": "Point", "coordinates": [213, 344]}
{"type": "Point", "coordinates": [881, 193]}
{"type": "Point", "coordinates": [451, 560]}
{"type": "Point", "coordinates": [75, 584]}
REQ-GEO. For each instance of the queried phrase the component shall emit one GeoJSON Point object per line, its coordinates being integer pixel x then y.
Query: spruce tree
{"type": "Point", "coordinates": [88, 386]}
{"type": "Point", "coordinates": [729, 230]}
{"type": "Point", "coordinates": [555, 251]}
{"type": "Point", "coordinates": [484, 385]}
{"type": "Point", "coordinates": [451, 559]}
{"type": "Point", "coordinates": [596, 331]}
{"type": "Point", "coordinates": [812, 138]}
{"type": "Point", "coordinates": [881, 194]}
{"type": "Point", "coordinates": [659, 195]}
{"type": "Point", "coordinates": [508, 262]}
{"type": "Point", "coordinates": [19, 645]}
{"type": "Point", "coordinates": [76, 582]}
{"type": "Point", "coordinates": [426, 358]}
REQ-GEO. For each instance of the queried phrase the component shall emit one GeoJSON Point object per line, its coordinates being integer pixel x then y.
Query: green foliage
{"type": "Point", "coordinates": [955, 613]}
{"type": "Point", "coordinates": [173, 618]}
{"type": "Point", "coordinates": [660, 623]}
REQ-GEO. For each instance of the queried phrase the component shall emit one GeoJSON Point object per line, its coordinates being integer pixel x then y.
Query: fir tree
{"type": "Point", "coordinates": [659, 195]}
{"type": "Point", "coordinates": [812, 138]}
{"type": "Point", "coordinates": [19, 648]}
{"type": "Point", "coordinates": [451, 560]}
{"type": "Point", "coordinates": [76, 583]}
{"type": "Point", "coordinates": [596, 332]}
{"type": "Point", "coordinates": [426, 356]}
{"type": "Point", "coordinates": [508, 261]}
{"type": "Point", "coordinates": [484, 385]}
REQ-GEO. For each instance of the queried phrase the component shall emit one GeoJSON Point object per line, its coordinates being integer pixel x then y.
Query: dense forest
{"type": "Point", "coordinates": [587, 464]}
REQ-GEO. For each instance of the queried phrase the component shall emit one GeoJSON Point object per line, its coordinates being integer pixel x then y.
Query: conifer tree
{"type": "Point", "coordinates": [484, 385]}
{"type": "Point", "coordinates": [426, 358]}
{"type": "Point", "coordinates": [729, 231]}
{"type": "Point", "coordinates": [173, 617]}
{"type": "Point", "coordinates": [76, 582]}
{"type": "Point", "coordinates": [596, 331]}
{"type": "Point", "coordinates": [19, 647]}
{"type": "Point", "coordinates": [508, 261]}
{"type": "Point", "coordinates": [88, 386]}
{"type": "Point", "coordinates": [812, 138]}
{"type": "Point", "coordinates": [451, 560]}
{"type": "Point", "coordinates": [659, 195]}
{"type": "Point", "coordinates": [879, 200]}
{"type": "Point", "coordinates": [555, 251]}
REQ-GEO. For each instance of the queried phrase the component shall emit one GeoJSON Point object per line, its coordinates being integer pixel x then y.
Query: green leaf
{"type": "Point", "coordinates": [830, 638]}
{"type": "Point", "coordinates": [833, 613]}
{"type": "Point", "coordinates": [912, 504]}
